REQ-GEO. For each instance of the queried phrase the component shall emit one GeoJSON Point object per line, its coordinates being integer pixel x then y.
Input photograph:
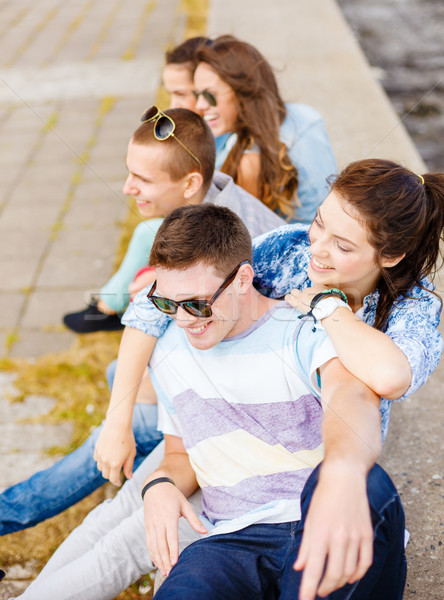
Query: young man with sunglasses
{"type": "Point", "coordinates": [170, 162]}
{"type": "Point", "coordinates": [238, 378]}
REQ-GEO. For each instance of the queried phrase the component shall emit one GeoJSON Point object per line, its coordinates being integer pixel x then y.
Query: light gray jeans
{"type": "Point", "coordinates": [107, 552]}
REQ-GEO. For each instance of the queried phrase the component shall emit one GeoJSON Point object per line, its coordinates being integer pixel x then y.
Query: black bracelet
{"type": "Point", "coordinates": [325, 293]}
{"type": "Point", "coordinates": [153, 482]}
{"type": "Point", "coordinates": [318, 297]}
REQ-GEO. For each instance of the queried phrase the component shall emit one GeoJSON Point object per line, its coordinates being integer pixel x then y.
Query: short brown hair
{"type": "Point", "coordinates": [213, 235]}
{"type": "Point", "coordinates": [195, 134]}
{"type": "Point", "coordinates": [185, 53]}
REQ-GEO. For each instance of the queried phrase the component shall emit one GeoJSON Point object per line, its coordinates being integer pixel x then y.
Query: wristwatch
{"type": "Point", "coordinates": [326, 307]}
{"type": "Point", "coordinates": [326, 302]}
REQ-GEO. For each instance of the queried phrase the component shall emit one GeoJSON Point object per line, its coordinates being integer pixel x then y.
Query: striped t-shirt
{"type": "Point", "coordinates": [249, 414]}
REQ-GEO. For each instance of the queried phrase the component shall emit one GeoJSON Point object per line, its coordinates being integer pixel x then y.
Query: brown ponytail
{"type": "Point", "coordinates": [403, 215]}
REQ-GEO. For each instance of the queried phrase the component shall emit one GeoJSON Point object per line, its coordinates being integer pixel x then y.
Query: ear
{"type": "Point", "coordinates": [245, 277]}
{"type": "Point", "coordinates": [193, 184]}
{"type": "Point", "coordinates": [391, 262]}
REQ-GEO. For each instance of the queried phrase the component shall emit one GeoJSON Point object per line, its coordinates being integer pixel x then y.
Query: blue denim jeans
{"type": "Point", "coordinates": [257, 562]}
{"type": "Point", "coordinates": [49, 492]}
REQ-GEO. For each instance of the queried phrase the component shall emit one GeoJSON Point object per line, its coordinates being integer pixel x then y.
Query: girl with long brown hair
{"type": "Point", "coordinates": [278, 152]}
{"type": "Point", "coordinates": [374, 243]}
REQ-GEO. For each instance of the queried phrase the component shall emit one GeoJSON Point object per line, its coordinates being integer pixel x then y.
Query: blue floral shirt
{"type": "Point", "coordinates": [280, 260]}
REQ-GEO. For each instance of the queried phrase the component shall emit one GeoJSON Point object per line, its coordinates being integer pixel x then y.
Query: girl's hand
{"type": "Point", "coordinates": [140, 282]}
{"type": "Point", "coordinates": [301, 299]}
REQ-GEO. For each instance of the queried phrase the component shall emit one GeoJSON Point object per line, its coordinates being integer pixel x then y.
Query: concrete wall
{"type": "Point", "coordinates": [321, 65]}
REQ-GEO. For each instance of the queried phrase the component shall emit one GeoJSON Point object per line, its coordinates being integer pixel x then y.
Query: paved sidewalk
{"type": "Point", "coordinates": [74, 77]}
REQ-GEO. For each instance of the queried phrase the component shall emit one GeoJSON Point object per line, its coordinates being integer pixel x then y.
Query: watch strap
{"type": "Point", "coordinates": [325, 293]}
{"type": "Point", "coordinates": [334, 293]}
{"type": "Point", "coordinates": [326, 306]}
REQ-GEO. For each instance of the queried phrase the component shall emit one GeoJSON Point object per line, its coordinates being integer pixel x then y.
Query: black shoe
{"type": "Point", "coordinates": [91, 320]}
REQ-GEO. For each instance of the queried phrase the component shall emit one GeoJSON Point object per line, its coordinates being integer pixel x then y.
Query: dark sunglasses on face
{"type": "Point", "coordinates": [209, 97]}
{"type": "Point", "coordinates": [194, 307]}
{"type": "Point", "coordinates": [164, 127]}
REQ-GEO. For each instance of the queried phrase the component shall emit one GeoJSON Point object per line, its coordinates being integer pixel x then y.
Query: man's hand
{"type": "Point", "coordinates": [300, 299]}
{"type": "Point", "coordinates": [164, 505]}
{"type": "Point", "coordinates": [115, 448]}
{"type": "Point", "coordinates": [338, 533]}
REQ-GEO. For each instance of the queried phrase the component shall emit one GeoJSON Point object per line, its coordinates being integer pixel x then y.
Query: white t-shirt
{"type": "Point", "coordinates": [249, 414]}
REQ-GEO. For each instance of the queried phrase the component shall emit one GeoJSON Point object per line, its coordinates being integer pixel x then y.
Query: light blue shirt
{"type": "Point", "coordinates": [115, 292]}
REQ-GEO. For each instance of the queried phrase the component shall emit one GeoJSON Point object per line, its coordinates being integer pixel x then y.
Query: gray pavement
{"type": "Point", "coordinates": [74, 78]}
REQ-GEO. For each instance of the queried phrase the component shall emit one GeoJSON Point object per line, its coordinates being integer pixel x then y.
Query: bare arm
{"type": "Point", "coordinates": [338, 529]}
{"type": "Point", "coordinates": [165, 503]}
{"type": "Point", "coordinates": [115, 447]}
{"type": "Point", "coordinates": [366, 352]}
{"type": "Point", "coordinates": [248, 173]}
{"type": "Point", "coordinates": [369, 354]}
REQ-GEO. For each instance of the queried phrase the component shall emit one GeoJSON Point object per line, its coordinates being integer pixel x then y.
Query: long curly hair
{"type": "Point", "coordinates": [404, 215]}
{"type": "Point", "coordinates": [260, 112]}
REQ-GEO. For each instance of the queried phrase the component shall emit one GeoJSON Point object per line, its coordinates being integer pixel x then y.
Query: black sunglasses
{"type": "Point", "coordinates": [195, 307]}
{"type": "Point", "coordinates": [209, 97]}
{"type": "Point", "coordinates": [164, 127]}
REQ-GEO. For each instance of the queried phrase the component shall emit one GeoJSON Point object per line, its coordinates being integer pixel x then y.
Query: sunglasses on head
{"type": "Point", "coordinates": [194, 307]}
{"type": "Point", "coordinates": [209, 97]}
{"type": "Point", "coordinates": [164, 127]}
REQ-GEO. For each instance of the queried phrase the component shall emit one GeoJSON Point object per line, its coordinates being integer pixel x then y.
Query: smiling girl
{"type": "Point", "coordinates": [278, 152]}
{"type": "Point", "coordinates": [376, 239]}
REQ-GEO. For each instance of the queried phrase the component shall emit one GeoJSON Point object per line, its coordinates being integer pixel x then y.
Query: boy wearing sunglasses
{"type": "Point", "coordinates": [163, 176]}
{"type": "Point", "coordinates": [170, 162]}
{"type": "Point", "coordinates": [237, 375]}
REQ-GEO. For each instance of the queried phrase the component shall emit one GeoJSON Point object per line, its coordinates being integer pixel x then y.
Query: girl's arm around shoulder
{"type": "Point", "coordinates": [369, 354]}
{"type": "Point", "coordinates": [366, 352]}
{"type": "Point", "coordinates": [394, 363]}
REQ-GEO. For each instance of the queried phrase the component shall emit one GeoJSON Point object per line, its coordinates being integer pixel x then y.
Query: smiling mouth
{"type": "Point", "coordinates": [210, 117]}
{"type": "Point", "coordinates": [199, 330]}
{"type": "Point", "coordinates": [320, 265]}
